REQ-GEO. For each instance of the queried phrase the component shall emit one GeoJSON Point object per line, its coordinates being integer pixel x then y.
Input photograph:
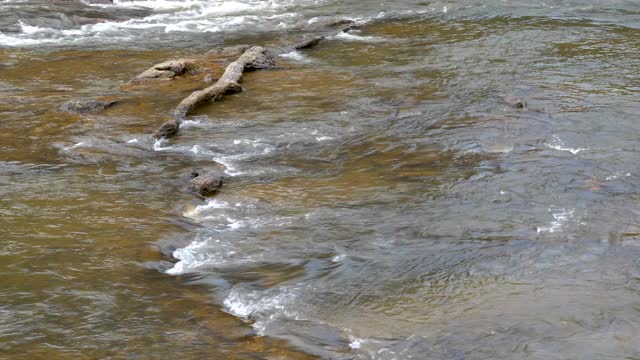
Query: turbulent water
{"type": "Point", "coordinates": [385, 201]}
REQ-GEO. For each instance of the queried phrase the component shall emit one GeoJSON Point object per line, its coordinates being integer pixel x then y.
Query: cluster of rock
{"type": "Point", "coordinates": [248, 58]}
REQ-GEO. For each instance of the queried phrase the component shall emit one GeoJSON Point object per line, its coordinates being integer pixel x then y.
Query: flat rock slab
{"type": "Point", "coordinates": [86, 105]}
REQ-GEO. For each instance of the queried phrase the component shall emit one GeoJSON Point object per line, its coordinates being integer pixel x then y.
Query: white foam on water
{"type": "Point", "coordinates": [229, 160]}
{"type": "Point", "coordinates": [191, 123]}
{"type": "Point", "coordinates": [157, 145]}
{"type": "Point", "coordinates": [190, 257]}
{"type": "Point", "coordinates": [617, 176]}
{"type": "Point", "coordinates": [339, 258]}
{"type": "Point", "coordinates": [197, 16]}
{"type": "Point", "coordinates": [132, 141]}
{"type": "Point", "coordinates": [296, 56]}
{"type": "Point", "coordinates": [355, 343]}
{"type": "Point", "coordinates": [211, 204]}
{"type": "Point", "coordinates": [230, 169]}
{"type": "Point", "coordinates": [560, 219]}
{"type": "Point", "coordinates": [265, 306]}
{"type": "Point", "coordinates": [200, 253]}
{"type": "Point", "coordinates": [348, 36]}
{"type": "Point", "coordinates": [558, 144]}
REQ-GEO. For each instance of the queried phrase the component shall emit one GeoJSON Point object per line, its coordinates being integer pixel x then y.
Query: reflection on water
{"type": "Point", "coordinates": [385, 200]}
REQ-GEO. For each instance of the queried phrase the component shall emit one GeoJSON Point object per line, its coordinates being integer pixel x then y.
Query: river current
{"type": "Point", "coordinates": [385, 200]}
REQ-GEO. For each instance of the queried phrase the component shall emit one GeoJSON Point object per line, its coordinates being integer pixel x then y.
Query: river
{"type": "Point", "coordinates": [384, 200]}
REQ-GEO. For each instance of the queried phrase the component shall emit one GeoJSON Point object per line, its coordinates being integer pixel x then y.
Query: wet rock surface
{"type": "Point", "coordinates": [86, 105]}
{"type": "Point", "coordinates": [168, 130]}
{"type": "Point", "coordinates": [309, 43]}
{"type": "Point", "coordinates": [203, 182]}
{"type": "Point", "coordinates": [167, 70]}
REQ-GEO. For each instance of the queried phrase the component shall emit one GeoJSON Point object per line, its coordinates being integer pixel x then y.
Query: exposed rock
{"type": "Point", "coordinates": [309, 43]}
{"type": "Point", "coordinates": [204, 183]}
{"type": "Point", "coordinates": [264, 60]}
{"type": "Point", "coordinates": [86, 105]}
{"type": "Point", "coordinates": [253, 59]}
{"type": "Point", "coordinates": [515, 102]}
{"type": "Point", "coordinates": [167, 70]}
{"type": "Point", "coordinates": [342, 25]}
{"type": "Point", "coordinates": [168, 129]}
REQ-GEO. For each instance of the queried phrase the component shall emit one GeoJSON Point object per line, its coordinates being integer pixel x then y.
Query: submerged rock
{"type": "Point", "coordinates": [201, 182]}
{"type": "Point", "coordinates": [86, 105]}
{"type": "Point", "coordinates": [229, 51]}
{"type": "Point", "coordinates": [515, 102]}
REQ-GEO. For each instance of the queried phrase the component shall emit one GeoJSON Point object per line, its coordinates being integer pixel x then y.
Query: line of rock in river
{"type": "Point", "coordinates": [249, 58]}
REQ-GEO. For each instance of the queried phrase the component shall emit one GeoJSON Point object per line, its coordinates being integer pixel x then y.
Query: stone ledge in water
{"type": "Point", "coordinates": [167, 70]}
{"type": "Point", "coordinates": [203, 183]}
{"type": "Point", "coordinates": [86, 105]}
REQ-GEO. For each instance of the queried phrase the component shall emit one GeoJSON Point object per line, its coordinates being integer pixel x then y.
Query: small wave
{"type": "Point", "coordinates": [157, 145]}
{"type": "Point", "coordinates": [190, 257]}
{"type": "Point", "coordinates": [349, 36]}
{"type": "Point", "coordinates": [617, 176]}
{"type": "Point", "coordinates": [197, 16]}
{"type": "Point", "coordinates": [558, 144]}
{"type": "Point", "coordinates": [211, 204]}
{"type": "Point", "coordinates": [230, 169]}
{"type": "Point", "coordinates": [265, 306]}
{"type": "Point", "coordinates": [296, 56]}
{"type": "Point", "coordinates": [560, 219]}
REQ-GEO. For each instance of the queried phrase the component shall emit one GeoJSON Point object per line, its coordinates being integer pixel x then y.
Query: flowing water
{"type": "Point", "coordinates": [384, 200]}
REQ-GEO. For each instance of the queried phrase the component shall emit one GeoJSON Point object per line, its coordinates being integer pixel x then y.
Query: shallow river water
{"type": "Point", "coordinates": [384, 200]}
